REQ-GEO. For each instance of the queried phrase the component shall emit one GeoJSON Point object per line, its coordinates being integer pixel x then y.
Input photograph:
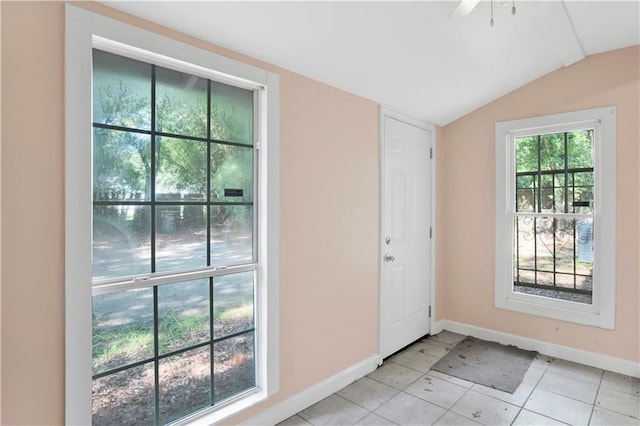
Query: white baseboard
{"type": "Point", "coordinates": [593, 359]}
{"type": "Point", "coordinates": [298, 402]}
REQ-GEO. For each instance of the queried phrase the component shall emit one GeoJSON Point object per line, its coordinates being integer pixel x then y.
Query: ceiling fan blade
{"type": "Point", "coordinates": [463, 9]}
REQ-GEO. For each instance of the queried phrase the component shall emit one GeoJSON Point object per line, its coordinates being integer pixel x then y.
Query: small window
{"type": "Point", "coordinates": [555, 190]}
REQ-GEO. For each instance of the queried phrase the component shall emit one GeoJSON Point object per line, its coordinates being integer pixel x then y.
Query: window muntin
{"type": "Point", "coordinates": [171, 198]}
{"type": "Point", "coordinates": [553, 218]}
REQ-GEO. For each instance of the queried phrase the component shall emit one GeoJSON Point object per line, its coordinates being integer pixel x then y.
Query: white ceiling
{"type": "Point", "coordinates": [408, 55]}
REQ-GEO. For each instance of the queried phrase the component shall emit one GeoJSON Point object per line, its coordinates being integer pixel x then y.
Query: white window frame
{"type": "Point", "coordinates": [601, 312]}
{"type": "Point", "coordinates": [84, 31]}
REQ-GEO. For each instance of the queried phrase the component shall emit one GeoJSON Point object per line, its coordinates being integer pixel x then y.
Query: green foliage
{"type": "Point", "coordinates": [231, 167]}
{"type": "Point", "coordinates": [547, 171]}
{"type": "Point", "coordinates": [119, 165]}
{"type": "Point", "coordinates": [121, 106]}
{"type": "Point", "coordinates": [122, 159]}
{"type": "Point", "coordinates": [182, 112]}
{"type": "Point", "coordinates": [182, 166]}
{"type": "Point", "coordinates": [231, 114]}
{"type": "Point", "coordinates": [579, 151]}
{"type": "Point", "coordinates": [229, 123]}
{"type": "Point", "coordinates": [176, 330]}
{"type": "Point", "coordinates": [244, 311]}
{"type": "Point", "coordinates": [115, 345]}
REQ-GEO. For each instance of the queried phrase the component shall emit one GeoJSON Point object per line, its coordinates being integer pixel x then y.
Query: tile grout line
{"type": "Point", "coordinates": [533, 388]}
{"type": "Point", "coordinates": [545, 368]}
{"type": "Point", "coordinates": [568, 397]}
{"type": "Point", "coordinates": [593, 406]}
{"type": "Point", "coordinates": [520, 408]}
{"type": "Point", "coordinates": [404, 366]}
{"type": "Point", "coordinates": [571, 397]}
{"type": "Point", "coordinates": [446, 410]}
{"type": "Point", "coordinates": [354, 403]}
{"type": "Point", "coordinates": [452, 405]}
{"type": "Point", "coordinates": [365, 408]}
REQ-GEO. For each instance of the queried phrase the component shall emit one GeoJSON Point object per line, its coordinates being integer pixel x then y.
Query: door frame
{"type": "Point", "coordinates": [388, 112]}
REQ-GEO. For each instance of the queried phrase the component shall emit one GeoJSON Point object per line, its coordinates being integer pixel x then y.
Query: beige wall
{"type": "Point", "coordinates": [329, 219]}
{"type": "Point", "coordinates": [466, 193]}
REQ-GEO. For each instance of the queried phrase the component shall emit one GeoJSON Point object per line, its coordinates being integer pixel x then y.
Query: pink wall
{"type": "Point", "coordinates": [32, 213]}
{"type": "Point", "coordinates": [466, 193]}
{"type": "Point", "coordinates": [328, 222]}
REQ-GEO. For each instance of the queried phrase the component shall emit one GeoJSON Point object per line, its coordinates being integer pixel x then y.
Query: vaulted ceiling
{"type": "Point", "coordinates": [408, 55]}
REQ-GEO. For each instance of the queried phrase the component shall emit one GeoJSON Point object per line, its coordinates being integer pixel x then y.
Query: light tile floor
{"type": "Point", "coordinates": [404, 391]}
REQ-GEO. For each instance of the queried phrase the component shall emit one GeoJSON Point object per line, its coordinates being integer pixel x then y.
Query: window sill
{"type": "Point", "coordinates": [557, 309]}
{"type": "Point", "coordinates": [219, 415]}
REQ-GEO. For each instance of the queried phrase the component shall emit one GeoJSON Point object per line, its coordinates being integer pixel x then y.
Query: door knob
{"type": "Point", "coordinates": [389, 258]}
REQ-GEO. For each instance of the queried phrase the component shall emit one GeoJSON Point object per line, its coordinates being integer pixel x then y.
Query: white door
{"type": "Point", "coordinates": [406, 246]}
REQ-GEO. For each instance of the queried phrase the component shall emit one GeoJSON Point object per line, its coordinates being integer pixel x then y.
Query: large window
{"type": "Point", "coordinates": [173, 191]}
{"type": "Point", "coordinates": [172, 185]}
{"type": "Point", "coordinates": [554, 219]}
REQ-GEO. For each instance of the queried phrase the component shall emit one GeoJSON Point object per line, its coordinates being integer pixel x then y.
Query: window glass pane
{"type": "Point", "coordinates": [181, 103]}
{"type": "Point", "coordinates": [524, 250]}
{"type": "Point", "coordinates": [580, 149]}
{"type": "Point", "coordinates": [231, 173]}
{"type": "Point", "coordinates": [185, 383]}
{"type": "Point", "coordinates": [546, 193]}
{"type": "Point", "coordinates": [544, 248]}
{"type": "Point", "coordinates": [552, 152]}
{"type": "Point", "coordinates": [181, 169]}
{"type": "Point", "coordinates": [526, 154]}
{"type": "Point", "coordinates": [183, 314]}
{"type": "Point", "coordinates": [231, 113]}
{"type": "Point", "coordinates": [525, 193]}
{"type": "Point", "coordinates": [233, 366]}
{"type": "Point", "coordinates": [231, 234]}
{"type": "Point", "coordinates": [124, 398]}
{"type": "Point", "coordinates": [561, 193]}
{"type": "Point", "coordinates": [121, 165]}
{"type": "Point", "coordinates": [553, 257]}
{"type": "Point", "coordinates": [546, 181]}
{"type": "Point", "coordinates": [181, 241]}
{"type": "Point", "coordinates": [121, 241]}
{"type": "Point", "coordinates": [121, 91]}
{"type": "Point", "coordinates": [122, 328]}
{"type": "Point", "coordinates": [233, 306]}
